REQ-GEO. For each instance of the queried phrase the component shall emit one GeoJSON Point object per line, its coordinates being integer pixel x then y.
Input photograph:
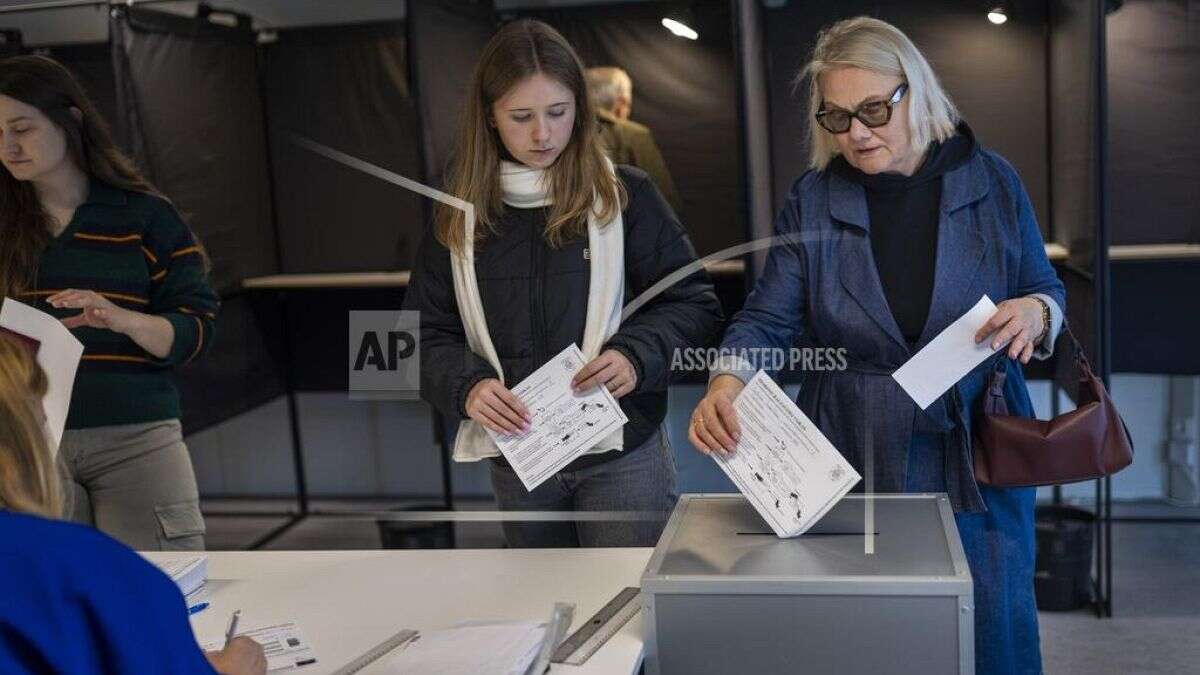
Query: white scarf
{"type": "Point", "coordinates": [524, 188]}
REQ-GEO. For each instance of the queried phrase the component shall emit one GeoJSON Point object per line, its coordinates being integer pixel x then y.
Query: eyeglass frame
{"type": "Point", "coordinates": [890, 103]}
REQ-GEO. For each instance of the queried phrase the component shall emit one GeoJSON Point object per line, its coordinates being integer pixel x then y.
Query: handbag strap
{"type": "Point", "coordinates": [1081, 359]}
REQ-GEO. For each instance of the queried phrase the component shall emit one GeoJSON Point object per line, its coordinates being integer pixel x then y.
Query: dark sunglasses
{"type": "Point", "coordinates": [872, 114]}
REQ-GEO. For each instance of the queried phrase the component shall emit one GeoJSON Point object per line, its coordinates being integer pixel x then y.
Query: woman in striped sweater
{"type": "Point", "coordinates": [85, 237]}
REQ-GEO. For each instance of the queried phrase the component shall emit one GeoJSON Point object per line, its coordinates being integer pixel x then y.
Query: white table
{"type": "Point", "coordinates": [346, 602]}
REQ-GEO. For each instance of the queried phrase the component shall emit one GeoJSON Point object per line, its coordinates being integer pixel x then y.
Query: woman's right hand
{"type": "Point", "coordinates": [243, 656]}
{"type": "Point", "coordinates": [714, 426]}
{"type": "Point", "coordinates": [491, 404]}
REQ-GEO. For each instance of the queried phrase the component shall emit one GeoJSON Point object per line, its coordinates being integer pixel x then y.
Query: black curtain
{"type": "Point", "coordinates": [1153, 50]}
{"type": "Point", "coordinates": [445, 40]}
{"type": "Point", "coordinates": [189, 107]}
{"type": "Point", "coordinates": [994, 74]}
{"type": "Point", "coordinates": [345, 87]}
{"type": "Point", "coordinates": [1075, 176]}
{"type": "Point", "coordinates": [1074, 103]}
{"type": "Point", "coordinates": [685, 91]}
{"type": "Point", "coordinates": [1154, 121]}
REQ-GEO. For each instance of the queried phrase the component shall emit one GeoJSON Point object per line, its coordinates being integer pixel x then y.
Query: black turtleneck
{"type": "Point", "coordinates": [903, 213]}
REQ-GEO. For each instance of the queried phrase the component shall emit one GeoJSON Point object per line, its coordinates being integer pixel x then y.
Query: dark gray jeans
{"type": "Point", "coordinates": [640, 479]}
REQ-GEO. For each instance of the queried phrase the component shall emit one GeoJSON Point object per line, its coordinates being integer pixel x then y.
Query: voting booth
{"type": "Point", "coordinates": [723, 594]}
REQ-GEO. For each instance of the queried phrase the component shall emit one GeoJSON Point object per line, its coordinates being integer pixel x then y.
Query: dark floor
{"type": "Point", "coordinates": [1156, 579]}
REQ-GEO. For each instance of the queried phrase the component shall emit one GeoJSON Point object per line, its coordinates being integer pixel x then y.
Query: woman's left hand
{"type": "Point", "coordinates": [611, 369]}
{"type": "Point", "coordinates": [1019, 320]}
{"type": "Point", "coordinates": [98, 311]}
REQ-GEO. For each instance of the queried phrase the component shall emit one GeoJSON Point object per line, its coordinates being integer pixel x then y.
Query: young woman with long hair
{"type": "Point", "coordinates": [560, 240]}
{"type": "Point", "coordinates": [86, 238]}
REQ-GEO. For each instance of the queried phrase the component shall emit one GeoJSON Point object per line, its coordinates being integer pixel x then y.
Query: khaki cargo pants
{"type": "Point", "coordinates": [135, 483]}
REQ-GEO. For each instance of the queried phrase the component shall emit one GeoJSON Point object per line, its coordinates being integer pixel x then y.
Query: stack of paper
{"type": "Point", "coordinates": [783, 464]}
{"type": "Point", "coordinates": [475, 648]}
{"type": "Point", "coordinates": [187, 573]}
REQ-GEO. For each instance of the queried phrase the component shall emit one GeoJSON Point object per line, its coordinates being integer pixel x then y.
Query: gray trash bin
{"type": "Point", "coordinates": [723, 594]}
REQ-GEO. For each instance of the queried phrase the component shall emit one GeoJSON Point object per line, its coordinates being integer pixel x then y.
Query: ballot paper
{"type": "Point", "coordinates": [783, 464]}
{"type": "Point", "coordinates": [58, 353]}
{"type": "Point", "coordinates": [947, 357]}
{"type": "Point", "coordinates": [188, 573]}
{"type": "Point", "coordinates": [474, 648]}
{"type": "Point", "coordinates": [564, 424]}
{"type": "Point", "coordinates": [283, 644]}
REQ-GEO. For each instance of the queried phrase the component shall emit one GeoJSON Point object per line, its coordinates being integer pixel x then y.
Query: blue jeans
{"type": "Point", "coordinates": [999, 545]}
{"type": "Point", "coordinates": [639, 479]}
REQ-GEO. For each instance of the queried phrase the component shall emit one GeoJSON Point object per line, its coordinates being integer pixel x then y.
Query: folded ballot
{"type": "Point", "coordinates": [783, 464]}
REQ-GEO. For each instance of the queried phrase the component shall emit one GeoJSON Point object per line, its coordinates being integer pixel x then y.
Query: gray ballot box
{"type": "Point", "coordinates": [723, 594]}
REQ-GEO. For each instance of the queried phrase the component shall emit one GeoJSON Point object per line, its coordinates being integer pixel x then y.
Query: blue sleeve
{"type": "Point", "coordinates": [775, 311]}
{"type": "Point", "coordinates": [1036, 276]}
{"type": "Point", "coordinates": [92, 606]}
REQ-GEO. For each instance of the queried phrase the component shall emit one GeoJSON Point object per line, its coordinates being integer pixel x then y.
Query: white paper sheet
{"type": "Point", "coordinates": [283, 644]}
{"type": "Point", "coordinates": [947, 357]}
{"type": "Point", "coordinates": [58, 354]}
{"type": "Point", "coordinates": [501, 648]}
{"type": "Point", "coordinates": [783, 464]}
{"type": "Point", "coordinates": [564, 424]}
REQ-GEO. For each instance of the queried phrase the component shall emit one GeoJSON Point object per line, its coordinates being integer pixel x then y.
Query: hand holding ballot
{"type": "Point", "coordinates": [563, 422]}
{"type": "Point", "coordinates": [714, 426]}
{"type": "Point", "coordinates": [781, 462]}
{"type": "Point", "coordinates": [1019, 323]}
{"type": "Point", "coordinates": [611, 370]}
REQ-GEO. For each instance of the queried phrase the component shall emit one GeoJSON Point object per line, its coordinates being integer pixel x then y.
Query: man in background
{"type": "Point", "coordinates": [627, 142]}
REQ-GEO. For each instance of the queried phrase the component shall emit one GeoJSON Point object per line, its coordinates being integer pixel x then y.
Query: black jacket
{"type": "Point", "coordinates": [535, 301]}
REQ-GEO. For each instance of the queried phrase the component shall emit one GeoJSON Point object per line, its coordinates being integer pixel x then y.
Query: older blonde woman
{"type": "Point", "coordinates": [901, 225]}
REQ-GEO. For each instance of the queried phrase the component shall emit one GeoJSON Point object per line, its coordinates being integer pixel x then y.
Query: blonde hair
{"type": "Point", "coordinates": [877, 46]}
{"type": "Point", "coordinates": [29, 478]}
{"type": "Point", "coordinates": [579, 181]}
{"type": "Point", "coordinates": [606, 84]}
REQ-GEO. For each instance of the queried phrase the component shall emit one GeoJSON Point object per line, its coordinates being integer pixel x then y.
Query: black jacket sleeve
{"type": "Point", "coordinates": [684, 313]}
{"type": "Point", "coordinates": [448, 367]}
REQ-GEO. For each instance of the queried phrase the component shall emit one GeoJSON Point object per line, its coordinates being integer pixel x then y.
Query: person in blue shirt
{"type": "Point", "coordinates": [72, 599]}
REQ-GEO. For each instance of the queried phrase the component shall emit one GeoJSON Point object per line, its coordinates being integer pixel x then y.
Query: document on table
{"type": "Point", "coordinates": [564, 424]}
{"type": "Point", "coordinates": [58, 353]}
{"type": "Point", "coordinates": [947, 357]}
{"type": "Point", "coordinates": [783, 464]}
{"type": "Point", "coordinates": [475, 648]}
{"type": "Point", "coordinates": [283, 644]}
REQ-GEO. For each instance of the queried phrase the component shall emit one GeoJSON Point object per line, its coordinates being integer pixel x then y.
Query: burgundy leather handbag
{"type": "Point", "coordinates": [1088, 442]}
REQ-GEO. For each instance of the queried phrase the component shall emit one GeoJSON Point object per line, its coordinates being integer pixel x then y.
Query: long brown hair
{"type": "Point", "coordinates": [29, 479]}
{"type": "Point", "coordinates": [24, 225]}
{"type": "Point", "coordinates": [519, 50]}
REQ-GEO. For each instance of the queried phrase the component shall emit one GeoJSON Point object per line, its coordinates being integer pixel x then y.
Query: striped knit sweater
{"type": "Point", "coordinates": [133, 249]}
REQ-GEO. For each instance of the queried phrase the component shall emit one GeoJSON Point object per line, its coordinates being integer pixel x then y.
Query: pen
{"type": "Point", "coordinates": [197, 608]}
{"type": "Point", "coordinates": [233, 622]}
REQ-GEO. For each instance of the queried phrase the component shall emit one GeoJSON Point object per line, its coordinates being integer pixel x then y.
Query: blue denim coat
{"type": "Point", "coordinates": [821, 288]}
